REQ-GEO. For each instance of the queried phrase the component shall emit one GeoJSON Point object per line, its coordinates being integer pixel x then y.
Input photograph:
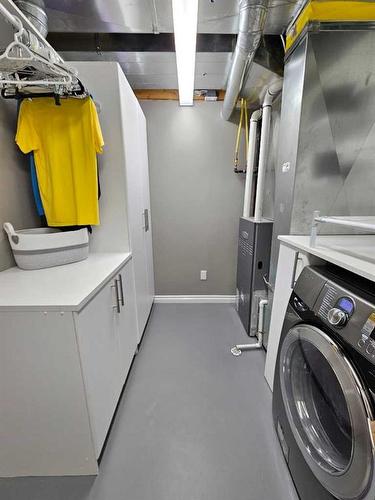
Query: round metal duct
{"type": "Point", "coordinates": [35, 11]}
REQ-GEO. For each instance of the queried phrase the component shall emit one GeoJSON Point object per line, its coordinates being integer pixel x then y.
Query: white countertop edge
{"type": "Point", "coordinates": [355, 264]}
{"type": "Point", "coordinates": [121, 257]}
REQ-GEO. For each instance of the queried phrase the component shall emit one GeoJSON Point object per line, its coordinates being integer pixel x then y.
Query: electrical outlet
{"type": "Point", "coordinates": [203, 275]}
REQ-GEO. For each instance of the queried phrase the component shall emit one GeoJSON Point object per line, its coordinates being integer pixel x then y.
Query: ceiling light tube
{"type": "Point", "coordinates": [185, 20]}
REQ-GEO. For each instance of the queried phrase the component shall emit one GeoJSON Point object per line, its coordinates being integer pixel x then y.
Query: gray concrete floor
{"type": "Point", "coordinates": [194, 422]}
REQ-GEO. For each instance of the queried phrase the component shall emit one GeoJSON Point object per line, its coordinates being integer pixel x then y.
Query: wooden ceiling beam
{"type": "Point", "coordinates": [169, 95]}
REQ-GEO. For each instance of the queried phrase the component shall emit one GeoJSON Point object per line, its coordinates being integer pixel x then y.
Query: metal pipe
{"type": "Point", "coordinates": [239, 348]}
{"type": "Point", "coordinates": [272, 92]}
{"type": "Point", "coordinates": [251, 155]}
{"type": "Point", "coordinates": [252, 19]}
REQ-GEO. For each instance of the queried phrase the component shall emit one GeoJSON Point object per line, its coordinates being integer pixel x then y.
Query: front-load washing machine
{"type": "Point", "coordinates": [324, 387]}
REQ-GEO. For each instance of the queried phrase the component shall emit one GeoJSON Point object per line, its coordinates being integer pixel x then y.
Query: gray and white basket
{"type": "Point", "coordinates": [47, 247]}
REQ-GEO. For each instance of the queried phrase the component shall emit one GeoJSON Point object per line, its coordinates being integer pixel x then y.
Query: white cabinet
{"type": "Point", "coordinates": [44, 423]}
{"type": "Point", "coordinates": [71, 387]}
{"type": "Point", "coordinates": [138, 190]}
{"type": "Point", "coordinates": [147, 226]}
{"type": "Point", "coordinates": [126, 319]}
{"type": "Point", "coordinates": [125, 200]}
{"type": "Point", "coordinates": [99, 346]}
{"type": "Point", "coordinates": [107, 339]}
{"type": "Point", "coordinates": [68, 336]}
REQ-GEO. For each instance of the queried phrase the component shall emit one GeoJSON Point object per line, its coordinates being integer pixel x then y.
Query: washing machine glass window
{"type": "Point", "coordinates": [328, 411]}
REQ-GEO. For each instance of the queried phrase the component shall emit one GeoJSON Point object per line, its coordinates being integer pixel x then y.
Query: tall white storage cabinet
{"type": "Point", "coordinates": [68, 334]}
{"type": "Point", "coordinates": [124, 129]}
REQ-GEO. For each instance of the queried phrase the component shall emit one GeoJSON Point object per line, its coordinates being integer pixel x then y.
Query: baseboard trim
{"type": "Point", "coordinates": [195, 299]}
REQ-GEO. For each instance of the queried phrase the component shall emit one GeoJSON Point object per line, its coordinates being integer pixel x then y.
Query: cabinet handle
{"type": "Point", "coordinates": [118, 301]}
{"type": "Point", "coordinates": [296, 259]}
{"type": "Point", "coordinates": [147, 223]}
{"type": "Point", "coordinates": [121, 290]}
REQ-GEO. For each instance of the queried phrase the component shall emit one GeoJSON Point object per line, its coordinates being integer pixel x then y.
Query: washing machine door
{"type": "Point", "coordinates": [328, 411]}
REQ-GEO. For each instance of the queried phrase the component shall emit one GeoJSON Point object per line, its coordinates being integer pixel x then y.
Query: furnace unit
{"type": "Point", "coordinates": [254, 249]}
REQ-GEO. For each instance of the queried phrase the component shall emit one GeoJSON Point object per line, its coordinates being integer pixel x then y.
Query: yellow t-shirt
{"type": "Point", "coordinates": [65, 140]}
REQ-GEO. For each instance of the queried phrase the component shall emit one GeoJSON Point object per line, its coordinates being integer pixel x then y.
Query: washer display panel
{"type": "Point", "coordinates": [328, 411]}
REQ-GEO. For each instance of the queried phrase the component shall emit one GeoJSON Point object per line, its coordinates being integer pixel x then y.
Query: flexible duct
{"type": "Point", "coordinates": [252, 19]}
{"type": "Point", "coordinates": [35, 12]}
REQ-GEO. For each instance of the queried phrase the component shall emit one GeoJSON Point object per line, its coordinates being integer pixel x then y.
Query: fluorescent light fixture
{"type": "Point", "coordinates": [185, 20]}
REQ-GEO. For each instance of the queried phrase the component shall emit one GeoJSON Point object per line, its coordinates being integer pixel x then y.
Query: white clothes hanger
{"type": "Point", "coordinates": [30, 64]}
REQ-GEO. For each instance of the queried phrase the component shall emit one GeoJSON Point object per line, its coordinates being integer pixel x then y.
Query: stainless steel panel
{"type": "Point", "coordinates": [280, 14]}
{"type": "Point", "coordinates": [148, 16]}
{"type": "Point", "coordinates": [327, 132]}
{"type": "Point", "coordinates": [287, 150]}
{"type": "Point", "coordinates": [269, 186]}
{"type": "Point", "coordinates": [336, 146]}
{"type": "Point", "coordinates": [100, 16]}
{"type": "Point", "coordinates": [158, 69]}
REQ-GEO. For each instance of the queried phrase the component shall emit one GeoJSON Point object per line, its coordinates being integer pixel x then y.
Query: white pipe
{"type": "Point", "coordinates": [262, 306]}
{"type": "Point", "coordinates": [271, 93]}
{"type": "Point", "coordinates": [251, 155]}
{"type": "Point", "coordinates": [237, 349]}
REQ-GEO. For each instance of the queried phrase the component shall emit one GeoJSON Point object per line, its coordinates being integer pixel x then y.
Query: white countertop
{"type": "Point", "coordinates": [356, 253]}
{"type": "Point", "coordinates": [62, 288]}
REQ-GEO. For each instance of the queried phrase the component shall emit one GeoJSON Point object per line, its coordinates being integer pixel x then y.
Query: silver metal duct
{"type": "Point", "coordinates": [35, 12]}
{"type": "Point", "coordinates": [252, 19]}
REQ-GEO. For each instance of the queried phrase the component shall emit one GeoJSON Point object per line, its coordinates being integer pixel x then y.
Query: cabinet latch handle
{"type": "Point", "coordinates": [118, 300]}
{"type": "Point", "coordinates": [146, 218]}
{"type": "Point", "coordinates": [121, 290]}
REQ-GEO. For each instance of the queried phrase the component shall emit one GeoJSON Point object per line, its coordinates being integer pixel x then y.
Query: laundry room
{"type": "Point", "coordinates": [187, 298]}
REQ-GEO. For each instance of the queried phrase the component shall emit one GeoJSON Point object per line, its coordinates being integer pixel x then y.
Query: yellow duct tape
{"type": "Point", "coordinates": [330, 10]}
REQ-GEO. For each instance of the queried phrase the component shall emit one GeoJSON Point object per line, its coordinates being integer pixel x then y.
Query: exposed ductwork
{"type": "Point", "coordinates": [252, 19]}
{"type": "Point", "coordinates": [35, 12]}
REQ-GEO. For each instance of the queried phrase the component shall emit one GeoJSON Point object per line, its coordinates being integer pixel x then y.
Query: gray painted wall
{"type": "Point", "coordinates": [196, 199]}
{"type": "Point", "coordinates": [16, 202]}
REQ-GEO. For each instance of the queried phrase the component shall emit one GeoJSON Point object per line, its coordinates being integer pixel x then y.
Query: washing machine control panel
{"type": "Point", "coordinates": [335, 308]}
{"type": "Point", "coordinates": [350, 316]}
{"type": "Point", "coordinates": [339, 315]}
{"type": "Point", "coordinates": [345, 309]}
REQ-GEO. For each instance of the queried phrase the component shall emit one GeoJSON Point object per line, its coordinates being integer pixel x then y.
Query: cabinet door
{"type": "Point", "coordinates": [99, 346]}
{"type": "Point", "coordinates": [147, 227]}
{"type": "Point", "coordinates": [134, 178]}
{"type": "Point", "coordinates": [127, 317]}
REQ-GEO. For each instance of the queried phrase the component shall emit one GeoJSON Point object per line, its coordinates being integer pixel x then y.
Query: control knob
{"type": "Point", "coordinates": [337, 317]}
